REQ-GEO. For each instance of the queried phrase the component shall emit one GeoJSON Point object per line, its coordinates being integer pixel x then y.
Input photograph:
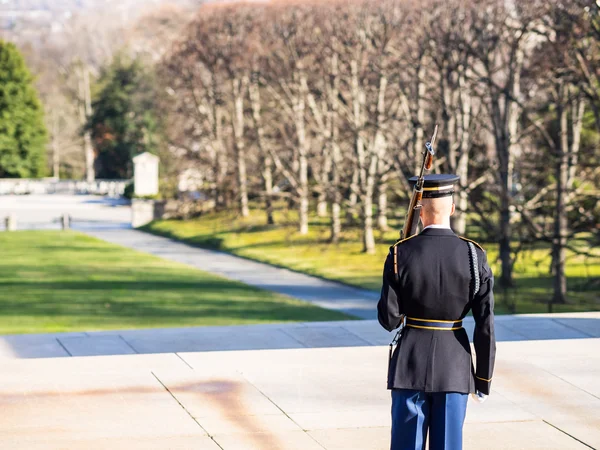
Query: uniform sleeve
{"type": "Point", "coordinates": [389, 308]}
{"type": "Point", "coordinates": [484, 340]}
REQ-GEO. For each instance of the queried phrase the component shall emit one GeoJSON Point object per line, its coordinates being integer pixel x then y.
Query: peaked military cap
{"type": "Point", "coordinates": [437, 185]}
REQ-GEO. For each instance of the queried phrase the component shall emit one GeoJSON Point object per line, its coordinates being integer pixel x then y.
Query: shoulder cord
{"type": "Point", "coordinates": [474, 268]}
{"type": "Point", "coordinates": [396, 277]}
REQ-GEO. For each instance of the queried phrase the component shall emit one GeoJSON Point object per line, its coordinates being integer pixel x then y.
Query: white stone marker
{"type": "Point", "coordinates": [145, 174]}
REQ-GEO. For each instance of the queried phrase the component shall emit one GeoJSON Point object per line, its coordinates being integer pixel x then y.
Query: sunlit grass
{"type": "Point", "coordinates": [64, 281]}
{"type": "Point", "coordinates": [313, 254]}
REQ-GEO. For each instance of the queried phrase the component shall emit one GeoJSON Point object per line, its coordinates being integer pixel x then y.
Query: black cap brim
{"type": "Point", "coordinates": [437, 185]}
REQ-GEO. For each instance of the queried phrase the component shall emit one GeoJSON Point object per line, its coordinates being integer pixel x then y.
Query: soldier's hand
{"type": "Point", "coordinates": [479, 397]}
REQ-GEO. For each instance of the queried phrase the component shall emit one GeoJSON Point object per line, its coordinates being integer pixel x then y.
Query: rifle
{"type": "Point", "coordinates": [414, 207]}
{"type": "Point", "coordinates": [412, 222]}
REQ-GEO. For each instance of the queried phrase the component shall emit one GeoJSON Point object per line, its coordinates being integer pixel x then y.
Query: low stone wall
{"type": "Point", "coordinates": [23, 186]}
{"type": "Point", "coordinates": [145, 211]}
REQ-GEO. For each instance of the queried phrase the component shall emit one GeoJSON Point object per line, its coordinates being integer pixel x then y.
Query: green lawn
{"type": "Point", "coordinates": [281, 245]}
{"type": "Point", "coordinates": [65, 281]}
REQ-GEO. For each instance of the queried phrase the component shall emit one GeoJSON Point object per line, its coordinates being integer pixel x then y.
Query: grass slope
{"type": "Point", "coordinates": [281, 245]}
{"type": "Point", "coordinates": [65, 281]}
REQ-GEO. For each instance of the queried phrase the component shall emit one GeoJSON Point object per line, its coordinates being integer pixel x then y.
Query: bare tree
{"type": "Point", "coordinates": [503, 38]}
{"type": "Point", "coordinates": [289, 34]}
{"type": "Point", "coordinates": [459, 107]}
{"type": "Point", "coordinates": [563, 108]}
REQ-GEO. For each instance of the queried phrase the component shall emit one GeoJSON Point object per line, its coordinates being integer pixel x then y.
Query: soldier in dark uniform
{"type": "Point", "coordinates": [430, 282]}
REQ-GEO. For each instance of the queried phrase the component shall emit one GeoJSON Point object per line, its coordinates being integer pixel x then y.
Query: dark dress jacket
{"type": "Point", "coordinates": [435, 281]}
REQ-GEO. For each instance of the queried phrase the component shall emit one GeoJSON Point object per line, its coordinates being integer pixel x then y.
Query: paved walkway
{"type": "Point", "coordinates": [327, 294]}
{"type": "Point", "coordinates": [43, 212]}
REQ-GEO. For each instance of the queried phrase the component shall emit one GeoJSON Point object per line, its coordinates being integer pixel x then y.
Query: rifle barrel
{"type": "Point", "coordinates": [412, 217]}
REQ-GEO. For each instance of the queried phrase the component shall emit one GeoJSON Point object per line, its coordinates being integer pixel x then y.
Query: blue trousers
{"type": "Point", "coordinates": [416, 412]}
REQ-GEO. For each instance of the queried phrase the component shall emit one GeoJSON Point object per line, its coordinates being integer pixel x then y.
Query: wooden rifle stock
{"type": "Point", "coordinates": [429, 161]}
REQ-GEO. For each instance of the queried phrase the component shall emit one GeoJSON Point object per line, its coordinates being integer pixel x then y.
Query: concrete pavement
{"type": "Point", "coordinates": [545, 396]}
{"type": "Point", "coordinates": [283, 386]}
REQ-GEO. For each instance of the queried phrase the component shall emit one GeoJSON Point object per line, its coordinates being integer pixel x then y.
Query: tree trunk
{"type": "Point", "coordinates": [336, 224]}
{"type": "Point", "coordinates": [220, 157]}
{"type": "Point", "coordinates": [382, 221]}
{"type": "Point", "coordinates": [323, 174]}
{"type": "Point", "coordinates": [367, 201]}
{"type": "Point", "coordinates": [459, 219]}
{"type": "Point", "coordinates": [462, 166]}
{"type": "Point", "coordinates": [368, 237]}
{"type": "Point", "coordinates": [238, 130]}
{"type": "Point", "coordinates": [352, 197]}
{"type": "Point", "coordinates": [85, 112]}
{"type": "Point", "coordinates": [268, 181]}
{"type": "Point", "coordinates": [419, 118]}
{"type": "Point", "coordinates": [303, 225]}
{"type": "Point", "coordinates": [505, 121]}
{"type": "Point", "coordinates": [55, 146]}
{"type": "Point", "coordinates": [89, 150]}
{"type": "Point", "coordinates": [322, 169]}
{"type": "Point", "coordinates": [506, 279]}
{"type": "Point", "coordinates": [322, 205]}
{"type": "Point", "coordinates": [507, 150]}
{"type": "Point", "coordinates": [302, 155]}
{"type": "Point", "coordinates": [559, 240]}
{"type": "Point", "coordinates": [221, 162]}
{"type": "Point", "coordinates": [90, 172]}
{"type": "Point", "coordinates": [365, 181]}
{"type": "Point", "coordinates": [368, 182]}
{"type": "Point", "coordinates": [503, 152]}
{"type": "Point", "coordinates": [336, 159]}
{"type": "Point", "coordinates": [379, 151]}
{"type": "Point", "coordinates": [577, 111]}
{"type": "Point", "coordinates": [267, 172]}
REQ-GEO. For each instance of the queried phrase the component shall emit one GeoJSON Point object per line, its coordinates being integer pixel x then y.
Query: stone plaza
{"type": "Point", "coordinates": [294, 386]}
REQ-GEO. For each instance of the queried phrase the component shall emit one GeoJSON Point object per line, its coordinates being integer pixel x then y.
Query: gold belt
{"type": "Point", "coordinates": [429, 324]}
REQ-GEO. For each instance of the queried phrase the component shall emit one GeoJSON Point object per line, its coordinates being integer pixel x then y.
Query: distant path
{"type": "Point", "coordinates": [43, 212]}
{"type": "Point", "coordinates": [327, 294]}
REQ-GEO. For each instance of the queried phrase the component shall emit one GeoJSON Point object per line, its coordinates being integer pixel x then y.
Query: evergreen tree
{"type": "Point", "coordinates": [22, 128]}
{"type": "Point", "coordinates": [124, 123]}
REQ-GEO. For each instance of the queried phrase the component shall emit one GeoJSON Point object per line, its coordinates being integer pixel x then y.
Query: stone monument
{"type": "Point", "coordinates": [145, 182]}
{"type": "Point", "coordinates": [145, 174]}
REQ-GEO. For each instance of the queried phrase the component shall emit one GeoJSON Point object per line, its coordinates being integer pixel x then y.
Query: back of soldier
{"type": "Point", "coordinates": [435, 273]}
{"type": "Point", "coordinates": [430, 282]}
